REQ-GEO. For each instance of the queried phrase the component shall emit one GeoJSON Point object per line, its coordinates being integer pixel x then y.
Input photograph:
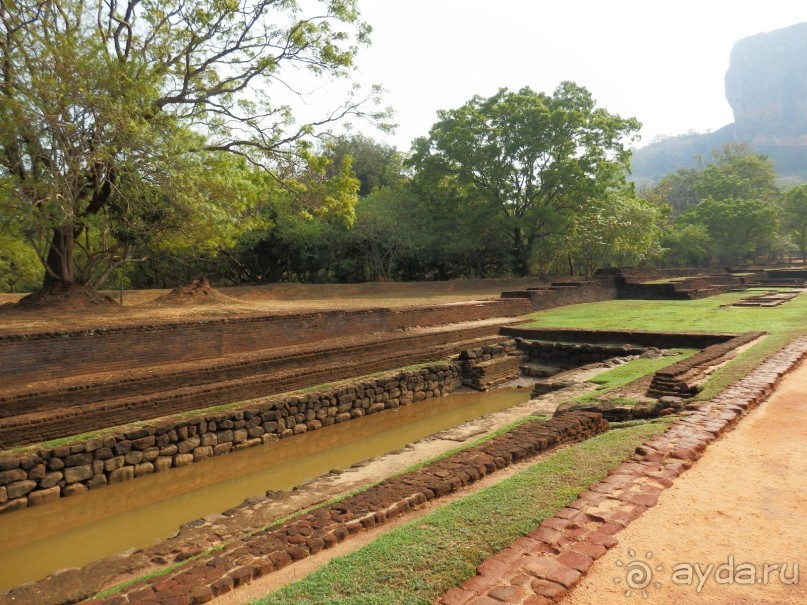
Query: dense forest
{"type": "Point", "coordinates": [131, 155]}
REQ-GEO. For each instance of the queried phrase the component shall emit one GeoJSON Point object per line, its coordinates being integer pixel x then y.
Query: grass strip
{"type": "Point", "coordinates": [419, 561]}
{"type": "Point", "coordinates": [637, 368]}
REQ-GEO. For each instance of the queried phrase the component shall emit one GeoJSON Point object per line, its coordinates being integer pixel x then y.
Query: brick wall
{"type": "Point", "coordinates": [30, 357]}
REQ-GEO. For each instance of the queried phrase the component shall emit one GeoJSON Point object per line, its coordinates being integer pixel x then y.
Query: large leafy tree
{"type": "Point", "coordinates": [115, 114]}
{"type": "Point", "coordinates": [532, 158]}
{"type": "Point", "coordinates": [620, 229]}
{"type": "Point", "coordinates": [738, 227]}
{"type": "Point", "coordinates": [737, 172]}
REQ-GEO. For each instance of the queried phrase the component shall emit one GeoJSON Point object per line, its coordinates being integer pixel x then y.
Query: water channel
{"type": "Point", "coordinates": [80, 529]}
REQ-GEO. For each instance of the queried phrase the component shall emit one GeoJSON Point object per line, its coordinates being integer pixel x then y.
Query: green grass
{"type": "Point", "coordinates": [416, 563]}
{"type": "Point", "coordinates": [636, 368]}
{"type": "Point", "coordinates": [704, 315]}
{"type": "Point", "coordinates": [783, 324]}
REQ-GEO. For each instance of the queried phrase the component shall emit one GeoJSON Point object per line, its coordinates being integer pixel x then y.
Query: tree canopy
{"type": "Point", "coordinates": [533, 159]}
{"type": "Point", "coordinates": [117, 117]}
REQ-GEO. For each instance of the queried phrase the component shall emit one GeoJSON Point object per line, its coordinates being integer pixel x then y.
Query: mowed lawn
{"type": "Point", "coordinates": [782, 323]}
{"type": "Point", "coordinates": [705, 315]}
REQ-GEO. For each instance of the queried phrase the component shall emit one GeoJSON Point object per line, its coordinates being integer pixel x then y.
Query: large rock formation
{"type": "Point", "coordinates": [766, 86]}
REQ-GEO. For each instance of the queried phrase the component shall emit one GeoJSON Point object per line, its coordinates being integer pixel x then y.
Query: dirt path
{"type": "Point", "coordinates": [742, 503]}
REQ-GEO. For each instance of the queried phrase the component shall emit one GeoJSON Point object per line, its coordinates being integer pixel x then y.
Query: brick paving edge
{"type": "Point", "coordinates": [541, 567]}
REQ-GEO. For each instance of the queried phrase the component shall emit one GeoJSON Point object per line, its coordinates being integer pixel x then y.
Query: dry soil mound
{"type": "Point", "coordinates": [198, 292]}
{"type": "Point", "coordinates": [64, 296]}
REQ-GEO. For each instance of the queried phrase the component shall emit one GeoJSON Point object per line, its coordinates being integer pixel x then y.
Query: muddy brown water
{"type": "Point", "coordinates": [135, 514]}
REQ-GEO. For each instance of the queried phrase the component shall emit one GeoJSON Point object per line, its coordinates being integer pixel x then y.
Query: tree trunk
{"type": "Point", "coordinates": [60, 268]}
{"type": "Point", "coordinates": [520, 254]}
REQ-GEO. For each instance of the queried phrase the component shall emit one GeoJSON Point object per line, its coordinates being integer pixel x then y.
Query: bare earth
{"type": "Point", "coordinates": [745, 498]}
{"type": "Point", "coordinates": [141, 306]}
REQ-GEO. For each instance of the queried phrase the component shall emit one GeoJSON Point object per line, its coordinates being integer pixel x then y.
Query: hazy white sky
{"type": "Point", "coordinates": [662, 62]}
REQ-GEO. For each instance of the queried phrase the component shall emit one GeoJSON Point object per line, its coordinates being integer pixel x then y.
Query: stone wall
{"type": "Point", "coordinates": [567, 356]}
{"type": "Point", "coordinates": [48, 474]}
{"type": "Point", "coordinates": [138, 396]}
{"type": "Point", "coordinates": [487, 366]}
{"type": "Point", "coordinates": [685, 378]}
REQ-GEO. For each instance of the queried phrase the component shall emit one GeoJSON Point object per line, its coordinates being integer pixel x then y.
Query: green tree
{"type": "Point", "coordinates": [738, 228]}
{"type": "Point", "coordinates": [620, 229]}
{"type": "Point", "coordinates": [114, 113]}
{"type": "Point", "coordinates": [794, 204]}
{"type": "Point", "coordinates": [677, 190]}
{"type": "Point", "coordinates": [687, 245]}
{"type": "Point", "coordinates": [737, 172]}
{"type": "Point", "coordinates": [533, 159]}
{"type": "Point", "coordinates": [375, 165]}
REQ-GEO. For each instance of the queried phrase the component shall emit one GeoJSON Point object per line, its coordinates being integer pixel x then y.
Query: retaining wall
{"type": "Point", "coordinates": [560, 294]}
{"type": "Point", "coordinates": [692, 340]}
{"type": "Point", "coordinates": [574, 355]}
{"type": "Point", "coordinates": [49, 474]}
{"type": "Point", "coordinates": [30, 356]}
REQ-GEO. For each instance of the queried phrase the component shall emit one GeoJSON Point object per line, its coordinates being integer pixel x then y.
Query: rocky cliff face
{"type": "Point", "coordinates": [766, 86]}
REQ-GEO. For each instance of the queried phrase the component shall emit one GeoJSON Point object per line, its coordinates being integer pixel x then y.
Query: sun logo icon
{"type": "Point", "coordinates": [638, 574]}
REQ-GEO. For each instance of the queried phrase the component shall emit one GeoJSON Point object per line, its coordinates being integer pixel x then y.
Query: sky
{"type": "Point", "coordinates": [661, 62]}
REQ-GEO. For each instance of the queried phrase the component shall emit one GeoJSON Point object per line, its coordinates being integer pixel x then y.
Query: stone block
{"type": "Point", "coordinates": [13, 475]}
{"type": "Point", "coordinates": [97, 480]}
{"type": "Point", "coordinates": [78, 473]}
{"type": "Point", "coordinates": [20, 488]}
{"type": "Point", "coordinates": [133, 457]}
{"type": "Point", "coordinates": [15, 504]}
{"type": "Point", "coordinates": [75, 488]}
{"type": "Point", "coordinates": [121, 474]}
{"type": "Point", "coordinates": [222, 448]}
{"type": "Point", "coordinates": [144, 442]}
{"type": "Point", "coordinates": [163, 463]}
{"type": "Point", "coordinates": [113, 463]}
{"type": "Point", "coordinates": [103, 453]}
{"type": "Point", "coordinates": [203, 452]}
{"type": "Point", "coordinates": [44, 496]}
{"type": "Point", "coordinates": [144, 468]}
{"type": "Point", "coordinates": [183, 459]}
{"type": "Point", "coordinates": [187, 446]}
{"type": "Point", "coordinates": [51, 479]}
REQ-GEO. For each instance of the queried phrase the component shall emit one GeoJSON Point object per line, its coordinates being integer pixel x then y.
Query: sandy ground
{"type": "Point", "coordinates": [741, 507]}
{"type": "Point", "coordinates": [140, 305]}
